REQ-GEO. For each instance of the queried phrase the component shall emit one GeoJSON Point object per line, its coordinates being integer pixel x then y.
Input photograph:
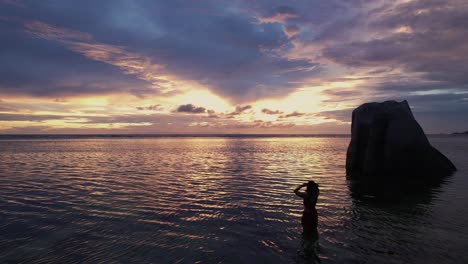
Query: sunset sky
{"type": "Point", "coordinates": [262, 66]}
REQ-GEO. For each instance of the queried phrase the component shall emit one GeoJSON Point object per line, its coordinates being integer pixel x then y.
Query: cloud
{"type": "Point", "coordinates": [16, 3]}
{"type": "Point", "coordinates": [281, 15]}
{"type": "Point", "coordinates": [291, 30]}
{"type": "Point", "coordinates": [239, 110]}
{"type": "Point", "coordinates": [156, 107]}
{"type": "Point", "coordinates": [35, 66]}
{"type": "Point", "coordinates": [271, 112]}
{"type": "Point", "coordinates": [6, 109]}
{"type": "Point", "coordinates": [343, 115]}
{"type": "Point", "coordinates": [129, 62]}
{"type": "Point", "coordinates": [190, 108]}
{"type": "Point", "coordinates": [25, 130]}
{"type": "Point", "coordinates": [46, 31]}
{"type": "Point", "coordinates": [293, 114]}
{"type": "Point", "coordinates": [343, 95]}
{"type": "Point", "coordinates": [256, 124]}
{"type": "Point", "coordinates": [430, 110]}
{"type": "Point", "coordinates": [212, 114]}
{"type": "Point", "coordinates": [222, 49]}
{"type": "Point", "coordinates": [242, 51]}
{"type": "Point", "coordinates": [414, 41]}
{"type": "Point", "coordinates": [23, 117]}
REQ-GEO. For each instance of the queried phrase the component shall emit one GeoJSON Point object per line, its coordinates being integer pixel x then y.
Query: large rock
{"type": "Point", "coordinates": [389, 147]}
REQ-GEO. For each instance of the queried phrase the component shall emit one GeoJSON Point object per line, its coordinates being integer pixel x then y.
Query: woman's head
{"type": "Point", "coordinates": [312, 187]}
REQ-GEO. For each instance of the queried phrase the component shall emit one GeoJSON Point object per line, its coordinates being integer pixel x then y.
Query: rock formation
{"type": "Point", "coordinates": [388, 147]}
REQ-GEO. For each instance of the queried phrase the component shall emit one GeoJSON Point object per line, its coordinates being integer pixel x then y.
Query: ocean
{"type": "Point", "coordinates": [215, 199]}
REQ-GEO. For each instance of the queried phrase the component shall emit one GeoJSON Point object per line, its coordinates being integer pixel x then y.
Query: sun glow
{"type": "Point", "coordinates": [203, 98]}
{"type": "Point", "coordinates": [308, 99]}
{"type": "Point", "coordinates": [91, 101]}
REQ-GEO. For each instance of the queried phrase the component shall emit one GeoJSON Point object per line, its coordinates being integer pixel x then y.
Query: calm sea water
{"type": "Point", "coordinates": [213, 200]}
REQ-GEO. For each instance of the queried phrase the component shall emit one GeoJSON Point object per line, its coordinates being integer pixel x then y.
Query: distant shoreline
{"type": "Point", "coordinates": [460, 133]}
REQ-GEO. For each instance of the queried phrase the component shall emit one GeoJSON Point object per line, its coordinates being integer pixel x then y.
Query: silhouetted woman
{"type": "Point", "coordinates": [309, 221]}
{"type": "Point", "coordinates": [309, 216]}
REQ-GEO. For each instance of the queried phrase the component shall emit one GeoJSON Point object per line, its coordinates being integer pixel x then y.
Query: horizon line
{"type": "Point", "coordinates": [198, 135]}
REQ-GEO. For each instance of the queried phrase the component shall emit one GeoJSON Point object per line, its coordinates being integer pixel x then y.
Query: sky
{"type": "Point", "coordinates": [240, 66]}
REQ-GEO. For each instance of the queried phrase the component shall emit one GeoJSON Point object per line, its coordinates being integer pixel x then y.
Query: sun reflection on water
{"type": "Point", "coordinates": [182, 199]}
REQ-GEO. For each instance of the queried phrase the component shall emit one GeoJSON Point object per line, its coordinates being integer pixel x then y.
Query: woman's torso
{"type": "Point", "coordinates": [309, 203]}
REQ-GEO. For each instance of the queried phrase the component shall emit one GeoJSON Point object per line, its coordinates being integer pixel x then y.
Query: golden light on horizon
{"type": "Point", "coordinates": [307, 99]}
{"type": "Point", "coordinates": [202, 98]}
{"type": "Point", "coordinates": [300, 108]}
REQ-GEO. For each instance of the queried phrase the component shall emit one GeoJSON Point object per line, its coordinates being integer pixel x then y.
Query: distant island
{"type": "Point", "coordinates": [460, 133]}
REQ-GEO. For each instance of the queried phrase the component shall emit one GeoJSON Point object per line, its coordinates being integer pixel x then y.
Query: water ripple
{"type": "Point", "coordinates": [211, 200]}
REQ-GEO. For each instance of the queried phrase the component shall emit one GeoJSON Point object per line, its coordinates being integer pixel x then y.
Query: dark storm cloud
{"type": "Point", "coordinates": [190, 108]}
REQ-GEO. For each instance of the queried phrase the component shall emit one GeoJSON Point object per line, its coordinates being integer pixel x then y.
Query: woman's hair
{"type": "Point", "coordinates": [312, 187]}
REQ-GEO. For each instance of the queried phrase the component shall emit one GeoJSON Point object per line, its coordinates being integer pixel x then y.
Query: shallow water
{"type": "Point", "coordinates": [213, 200]}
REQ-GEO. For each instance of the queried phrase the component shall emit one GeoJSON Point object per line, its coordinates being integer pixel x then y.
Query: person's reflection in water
{"type": "Point", "coordinates": [309, 220]}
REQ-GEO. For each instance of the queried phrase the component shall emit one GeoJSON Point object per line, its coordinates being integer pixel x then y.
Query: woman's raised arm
{"type": "Point", "coordinates": [298, 193]}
